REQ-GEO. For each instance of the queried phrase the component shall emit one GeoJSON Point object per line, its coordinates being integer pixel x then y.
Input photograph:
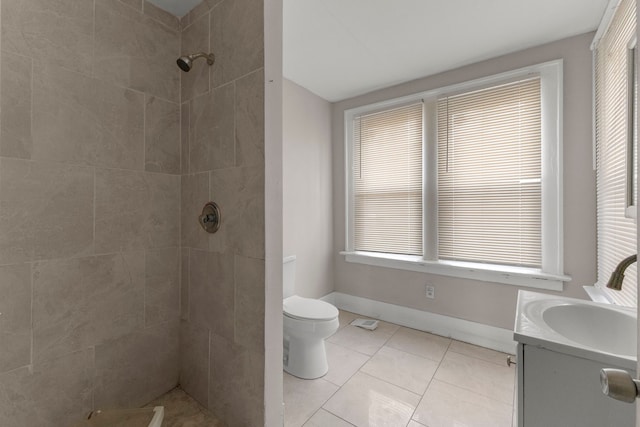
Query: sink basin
{"type": "Point", "coordinates": [593, 326]}
{"type": "Point", "coordinates": [590, 330]}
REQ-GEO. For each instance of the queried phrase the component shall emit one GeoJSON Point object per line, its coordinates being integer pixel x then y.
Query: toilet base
{"type": "Point", "coordinates": [304, 353]}
{"type": "Point", "coordinates": [306, 359]}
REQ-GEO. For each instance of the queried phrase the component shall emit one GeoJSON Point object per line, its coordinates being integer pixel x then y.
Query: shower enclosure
{"type": "Point", "coordinates": [110, 291]}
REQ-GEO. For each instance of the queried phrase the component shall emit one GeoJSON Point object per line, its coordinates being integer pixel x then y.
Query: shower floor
{"type": "Point", "coordinates": [181, 410]}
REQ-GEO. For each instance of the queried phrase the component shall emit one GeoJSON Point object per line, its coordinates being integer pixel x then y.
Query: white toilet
{"type": "Point", "coordinates": [306, 324]}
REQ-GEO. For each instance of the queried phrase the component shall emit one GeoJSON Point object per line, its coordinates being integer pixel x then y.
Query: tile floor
{"type": "Point", "coordinates": [396, 376]}
{"type": "Point", "coordinates": [181, 410]}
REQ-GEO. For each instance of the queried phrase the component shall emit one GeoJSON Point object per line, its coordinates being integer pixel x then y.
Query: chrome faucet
{"type": "Point", "coordinates": [615, 281]}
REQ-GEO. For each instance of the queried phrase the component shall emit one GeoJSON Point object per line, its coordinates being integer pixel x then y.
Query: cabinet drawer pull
{"type": "Point", "coordinates": [510, 361]}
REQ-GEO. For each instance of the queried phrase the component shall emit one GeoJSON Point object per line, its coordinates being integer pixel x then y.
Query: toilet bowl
{"type": "Point", "coordinates": [307, 322]}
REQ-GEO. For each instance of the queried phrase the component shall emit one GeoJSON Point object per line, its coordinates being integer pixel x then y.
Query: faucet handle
{"type": "Point", "coordinates": [619, 385]}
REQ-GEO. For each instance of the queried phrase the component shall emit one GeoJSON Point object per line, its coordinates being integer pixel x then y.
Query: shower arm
{"type": "Point", "coordinates": [208, 56]}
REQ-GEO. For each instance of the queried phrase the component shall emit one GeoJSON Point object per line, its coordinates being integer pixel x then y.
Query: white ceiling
{"type": "Point", "coordinates": [177, 7]}
{"type": "Point", "coordinates": [338, 49]}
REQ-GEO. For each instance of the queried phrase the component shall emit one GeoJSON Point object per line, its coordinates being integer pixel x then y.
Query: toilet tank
{"type": "Point", "coordinates": [288, 276]}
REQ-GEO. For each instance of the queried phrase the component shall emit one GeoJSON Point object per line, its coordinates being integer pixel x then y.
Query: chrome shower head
{"type": "Point", "coordinates": [186, 62]}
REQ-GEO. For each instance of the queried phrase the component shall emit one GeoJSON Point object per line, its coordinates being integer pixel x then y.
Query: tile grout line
{"type": "Point", "coordinates": [431, 380]}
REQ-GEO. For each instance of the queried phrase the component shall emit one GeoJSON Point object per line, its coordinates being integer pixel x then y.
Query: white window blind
{"type": "Point", "coordinates": [489, 175]}
{"type": "Point", "coordinates": [616, 233]}
{"type": "Point", "coordinates": [387, 170]}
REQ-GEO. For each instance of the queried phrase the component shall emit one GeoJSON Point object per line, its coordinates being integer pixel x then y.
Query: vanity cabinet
{"type": "Point", "coordinates": [561, 390]}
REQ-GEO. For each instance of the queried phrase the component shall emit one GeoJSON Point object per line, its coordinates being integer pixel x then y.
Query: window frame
{"type": "Point", "coordinates": [551, 275]}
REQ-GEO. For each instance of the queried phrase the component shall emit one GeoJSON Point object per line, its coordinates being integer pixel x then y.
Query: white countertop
{"type": "Point", "coordinates": [531, 328]}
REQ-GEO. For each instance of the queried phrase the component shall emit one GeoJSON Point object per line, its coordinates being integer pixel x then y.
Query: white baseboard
{"type": "Point", "coordinates": [463, 330]}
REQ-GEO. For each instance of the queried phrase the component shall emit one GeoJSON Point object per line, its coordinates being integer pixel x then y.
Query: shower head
{"type": "Point", "coordinates": [186, 62]}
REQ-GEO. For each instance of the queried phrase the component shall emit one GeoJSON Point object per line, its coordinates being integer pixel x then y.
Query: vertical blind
{"type": "Point", "coordinates": [387, 171]}
{"type": "Point", "coordinates": [616, 233]}
{"type": "Point", "coordinates": [489, 175]}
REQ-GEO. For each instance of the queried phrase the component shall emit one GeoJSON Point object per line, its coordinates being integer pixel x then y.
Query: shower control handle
{"type": "Point", "coordinates": [210, 217]}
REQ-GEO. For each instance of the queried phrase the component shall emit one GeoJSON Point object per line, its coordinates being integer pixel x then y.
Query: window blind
{"type": "Point", "coordinates": [616, 233]}
{"type": "Point", "coordinates": [387, 170]}
{"type": "Point", "coordinates": [489, 175]}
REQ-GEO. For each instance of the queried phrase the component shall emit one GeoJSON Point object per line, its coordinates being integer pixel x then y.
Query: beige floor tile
{"type": "Point", "coordinates": [343, 363]}
{"type": "Point", "coordinates": [345, 318]}
{"type": "Point", "coordinates": [479, 352]}
{"type": "Point", "coordinates": [362, 340]}
{"type": "Point", "coordinates": [181, 410]}
{"type": "Point", "coordinates": [413, 423]}
{"type": "Point", "coordinates": [420, 343]}
{"type": "Point", "coordinates": [323, 418]}
{"type": "Point", "coordinates": [304, 397]}
{"type": "Point", "coordinates": [403, 369]}
{"type": "Point", "coordinates": [479, 376]}
{"type": "Point", "coordinates": [365, 401]}
{"type": "Point", "coordinates": [445, 405]}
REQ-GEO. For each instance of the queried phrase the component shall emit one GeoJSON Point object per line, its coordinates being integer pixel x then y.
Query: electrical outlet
{"type": "Point", "coordinates": [431, 291]}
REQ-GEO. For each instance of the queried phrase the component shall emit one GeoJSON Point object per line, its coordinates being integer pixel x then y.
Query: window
{"type": "Point", "coordinates": [387, 169]}
{"type": "Point", "coordinates": [489, 175]}
{"type": "Point", "coordinates": [451, 181]}
{"type": "Point", "coordinates": [615, 89]}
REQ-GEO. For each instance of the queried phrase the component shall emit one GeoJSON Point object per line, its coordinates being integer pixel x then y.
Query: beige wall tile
{"type": "Point", "coordinates": [46, 210]}
{"type": "Point", "coordinates": [194, 195]}
{"type": "Point", "coordinates": [250, 119]}
{"type": "Point", "coordinates": [77, 119]}
{"type": "Point", "coordinates": [236, 383]}
{"type": "Point", "coordinates": [200, 132]}
{"type": "Point", "coordinates": [240, 194]}
{"type": "Point", "coordinates": [249, 303]}
{"type": "Point", "coordinates": [211, 291]}
{"type": "Point", "coordinates": [204, 7]}
{"type": "Point", "coordinates": [212, 133]}
{"type": "Point", "coordinates": [136, 210]}
{"type": "Point", "coordinates": [185, 113]}
{"type": "Point", "coordinates": [162, 286]}
{"type": "Point", "coordinates": [162, 136]}
{"type": "Point", "coordinates": [222, 136]}
{"type": "Point", "coordinates": [15, 105]}
{"type": "Point", "coordinates": [195, 38]}
{"type": "Point", "coordinates": [57, 31]}
{"type": "Point", "coordinates": [136, 368]}
{"type": "Point", "coordinates": [194, 361]}
{"type": "Point", "coordinates": [15, 321]}
{"type": "Point", "coordinates": [236, 39]}
{"type": "Point", "coordinates": [54, 393]}
{"type": "Point", "coordinates": [82, 302]}
{"type": "Point", "coordinates": [184, 284]}
{"type": "Point", "coordinates": [135, 51]}
{"type": "Point", "coordinates": [162, 16]}
{"type": "Point", "coordinates": [136, 4]}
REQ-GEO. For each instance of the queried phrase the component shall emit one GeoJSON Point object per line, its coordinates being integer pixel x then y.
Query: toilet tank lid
{"type": "Point", "coordinates": [308, 308]}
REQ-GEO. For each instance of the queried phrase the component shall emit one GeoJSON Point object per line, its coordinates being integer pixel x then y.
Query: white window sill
{"type": "Point", "coordinates": [508, 275]}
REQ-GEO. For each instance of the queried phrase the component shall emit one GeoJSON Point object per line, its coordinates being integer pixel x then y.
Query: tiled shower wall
{"type": "Point", "coordinates": [222, 110]}
{"type": "Point", "coordinates": [90, 170]}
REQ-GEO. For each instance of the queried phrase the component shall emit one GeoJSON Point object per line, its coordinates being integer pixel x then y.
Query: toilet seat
{"type": "Point", "coordinates": [301, 308]}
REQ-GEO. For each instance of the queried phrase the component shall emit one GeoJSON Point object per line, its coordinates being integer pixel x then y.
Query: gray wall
{"type": "Point", "coordinates": [89, 208]}
{"type": "Point", "coordinates": [488, 303]}
{"type": "Point", "coordinates": [307, 191]}
{"type": "Point", "coordinates": [223, 299]}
